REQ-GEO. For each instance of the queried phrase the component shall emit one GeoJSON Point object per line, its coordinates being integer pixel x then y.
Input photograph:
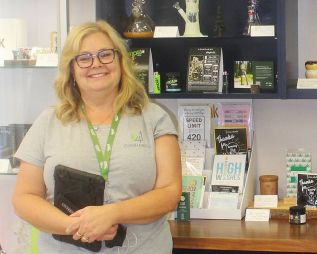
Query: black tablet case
{"type": "Point", "coordinates": [76, 189]}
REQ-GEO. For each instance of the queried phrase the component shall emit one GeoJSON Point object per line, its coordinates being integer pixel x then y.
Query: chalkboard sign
{"type": "Point", "coordinates": [307, 190]}
{"type": "Point", "coordinates": [231, 140]}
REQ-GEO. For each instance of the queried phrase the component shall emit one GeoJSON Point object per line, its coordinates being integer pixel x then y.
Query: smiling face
{"type": "Point", "coordinates": [99, 78]}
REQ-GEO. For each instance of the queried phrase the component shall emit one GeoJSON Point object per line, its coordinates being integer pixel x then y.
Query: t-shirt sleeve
{"type": "Point", "coordinates": [31, 149]}
{"type": "Point", "coordinates": [163, 124]}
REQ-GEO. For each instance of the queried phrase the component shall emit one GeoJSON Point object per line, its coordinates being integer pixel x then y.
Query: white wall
{"type": "Point", "coordinates": [280, 125]}
{"type": "Point", "coordinates": [81, 11]}
{"type": "Point", "coordinates": [307, 33]}
{"type": "Point", "coordinates": [40, 21]}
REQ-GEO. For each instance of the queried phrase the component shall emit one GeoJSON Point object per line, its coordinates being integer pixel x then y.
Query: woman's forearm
{"type": "Point", "coordinates": [149, 206]}
{"type": "Point", "coordinates": [41, 214]}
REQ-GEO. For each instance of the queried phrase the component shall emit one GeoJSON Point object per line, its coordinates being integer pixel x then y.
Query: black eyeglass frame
{"type": "Point", "coordinates": [93, 56]}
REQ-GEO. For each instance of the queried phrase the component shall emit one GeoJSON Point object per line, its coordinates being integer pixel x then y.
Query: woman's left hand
{"type": "Point", "coordinates": [95, 223]}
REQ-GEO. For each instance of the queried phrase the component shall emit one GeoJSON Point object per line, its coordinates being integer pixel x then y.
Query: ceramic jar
{"type": "Point", "coordinates": [268, 184]}
{"type": "Point", "coordinates": [311, 69]}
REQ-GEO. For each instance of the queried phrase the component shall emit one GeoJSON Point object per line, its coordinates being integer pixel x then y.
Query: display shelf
{"type": "Point", "coordinates": [28, 67]}
{"type": "Point", "coordinates": [171, 54]}
{"type": "Point", "coordinates": [214, 96]}
{"type": "Point", "coordinates": [294, 93]}
{"type": "Point", "coordinates": [25, 89]}
{"type": "Point", "coordinates": [8, 174]}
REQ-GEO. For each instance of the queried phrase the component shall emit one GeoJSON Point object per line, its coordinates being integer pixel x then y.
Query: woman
{"type": "Point", "coordinates": [96, 85]}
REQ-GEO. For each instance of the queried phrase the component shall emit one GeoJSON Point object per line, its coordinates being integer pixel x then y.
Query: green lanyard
{"type": "Point", "coordinates": [103, 158]}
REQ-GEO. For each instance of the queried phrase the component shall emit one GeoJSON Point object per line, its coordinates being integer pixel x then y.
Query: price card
{"type": "Point", "coordinates": [303, 83]}
{"type": "Point", "coordinates": [268, 201]}
{"type": "Point", "coordinates": [4, 165]}
{"type": "Point", "coordinates": [47, 60]}
{"type": "Point", "coordinates": [268, 30]}
{"type": "Point", "coordinates": [166, 31]}
{"type": "Point", "coordinates": [257, 215]}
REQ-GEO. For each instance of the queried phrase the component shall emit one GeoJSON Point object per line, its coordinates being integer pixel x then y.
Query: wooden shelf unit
{"type": "Point", "coordinates": [272, 236]}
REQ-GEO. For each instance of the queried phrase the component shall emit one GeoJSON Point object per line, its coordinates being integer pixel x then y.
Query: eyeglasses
{"type": "Point", "coordinates": [105, 56]}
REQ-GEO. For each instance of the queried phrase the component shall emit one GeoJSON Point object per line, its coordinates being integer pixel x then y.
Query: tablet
{"type": "Point", "coordinates": [76, 189]}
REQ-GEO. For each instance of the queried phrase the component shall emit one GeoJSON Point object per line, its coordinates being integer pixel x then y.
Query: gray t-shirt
{"type": "Point", "coordinates": [132, 169]}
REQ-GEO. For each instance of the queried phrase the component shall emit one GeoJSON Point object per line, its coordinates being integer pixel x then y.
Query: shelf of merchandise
{"type": "Point", "coordinates": [171, 54]}
{"type": "Point", "coordinates": [301, 93]}
{"type": "Point", "coordinates": [214, 96]}
{"type": "Point", "coordinates": [234, 48]}
{"type": "Point", "coordinates": [28, 67]}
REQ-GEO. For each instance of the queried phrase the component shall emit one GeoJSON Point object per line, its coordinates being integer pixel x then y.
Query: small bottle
{"type": "Point", "coordinates": [156, 80]}
{"type": "Point", "coordinates": [225, 86]}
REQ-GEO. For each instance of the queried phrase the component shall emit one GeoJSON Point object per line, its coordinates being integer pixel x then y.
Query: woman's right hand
{"type": "Point", "coordinates": [110, 234]}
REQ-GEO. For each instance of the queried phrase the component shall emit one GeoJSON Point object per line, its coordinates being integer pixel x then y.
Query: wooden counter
{"type": "Point", "coordinates": [274, 236]}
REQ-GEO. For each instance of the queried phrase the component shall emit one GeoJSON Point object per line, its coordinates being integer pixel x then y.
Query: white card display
{"type": "Point", "coordinates": [265, 201]}
{"type": "Point", "coordinates": [166, 32]}
{"type": "Point", "coordinates": [47, 60]}
{"type": "Point", "coordinates": [257, 215]}
{"type": "Point", "coordinates": [4, 165]}
{"type": "Point", "coordinates": [257, 31]}
{"type": "Point", "coordinates": [193, 157]}
{"type": "Point", "coordinates": [303, 83]}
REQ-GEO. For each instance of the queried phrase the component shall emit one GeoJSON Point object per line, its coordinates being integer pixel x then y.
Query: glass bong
{"type": "Point", "coordinates": [253, 17]}
{"type": "Point", "coordinates": [191, 18]}
{"type": "Point", "coordinates": [140, 25]}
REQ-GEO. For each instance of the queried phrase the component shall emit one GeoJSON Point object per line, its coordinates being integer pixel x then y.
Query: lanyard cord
{"type": "Point", "coordinates": [103, 157]}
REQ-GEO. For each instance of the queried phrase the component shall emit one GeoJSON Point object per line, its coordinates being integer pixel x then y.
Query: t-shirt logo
{"type": "Point", "coordinates": [137, 137]}
{"type": "Point", "coordinates": [137, 140]}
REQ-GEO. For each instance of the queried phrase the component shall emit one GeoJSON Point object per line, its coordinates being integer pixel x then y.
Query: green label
{"type": "Point", "coordinates": [293, 179]}
{"type": "Point", "coordinates": [298, 168]}
{"type": "Point", "coordinates": [157, 83]}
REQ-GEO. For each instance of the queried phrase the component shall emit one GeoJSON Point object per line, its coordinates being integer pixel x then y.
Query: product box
{"type": "Point", "coordinates": [297, 161]}
{"type": "Point", "coordinates": [183, 207]}
{"type": "Point", "coordinates": [143, 66]}
{"type": "Point", "coordinates": [205, 70]}
{"type": "Point", "coordinates": [247, 73]}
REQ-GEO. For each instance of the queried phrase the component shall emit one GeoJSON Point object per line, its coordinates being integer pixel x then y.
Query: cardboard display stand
{"type": "Point", "coordinates": [247, 198]}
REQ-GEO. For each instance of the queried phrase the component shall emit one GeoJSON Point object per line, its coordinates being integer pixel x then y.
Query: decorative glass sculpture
{"type": "Point", "coordinates": [140, 25]}
{"type": "Point", "coordinates": [253, 16]}
{"type": "Point", "coordinates": [191, 18]}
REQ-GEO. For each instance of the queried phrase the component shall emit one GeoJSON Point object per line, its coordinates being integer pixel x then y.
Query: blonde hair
{"type": "Point", "coordinates": [132, 97]}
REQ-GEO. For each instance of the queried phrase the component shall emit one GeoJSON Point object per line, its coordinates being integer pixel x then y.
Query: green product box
{"type": "Point", "coordinates": [247, 73]}
{"type": "Point", "coordinates": [183, 207]}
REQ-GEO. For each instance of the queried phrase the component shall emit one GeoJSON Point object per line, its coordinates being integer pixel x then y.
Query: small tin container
{"type": "Point", "coordinates": [297, 215]}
